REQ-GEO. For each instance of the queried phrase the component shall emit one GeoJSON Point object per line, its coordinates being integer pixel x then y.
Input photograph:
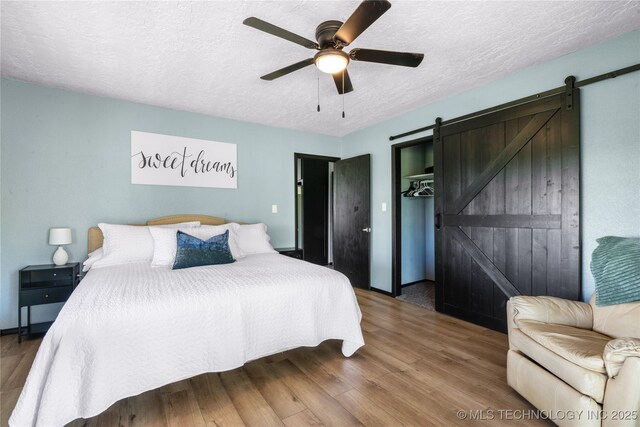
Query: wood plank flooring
{"type": "Point", "coordinates": [418, 368]}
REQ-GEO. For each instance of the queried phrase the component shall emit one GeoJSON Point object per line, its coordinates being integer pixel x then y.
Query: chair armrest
{"type": "Point", "coordinates": [552, 310]}
{"type": "Point", "coordinates": [617, 351]}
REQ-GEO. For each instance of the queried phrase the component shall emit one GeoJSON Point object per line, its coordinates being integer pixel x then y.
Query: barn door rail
{"type": "Point", "coordinates": [540, 95]}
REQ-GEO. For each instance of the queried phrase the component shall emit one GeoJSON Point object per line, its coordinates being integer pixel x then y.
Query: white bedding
{"type": "Point", "coordinates": [132, 328]}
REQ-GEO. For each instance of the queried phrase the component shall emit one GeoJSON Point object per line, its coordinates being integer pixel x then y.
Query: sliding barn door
{"type": "Point", "coordinates": [507, 208]}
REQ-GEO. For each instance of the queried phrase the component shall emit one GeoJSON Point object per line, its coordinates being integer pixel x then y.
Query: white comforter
{"type": "Point", "coordinates": [132, 328]}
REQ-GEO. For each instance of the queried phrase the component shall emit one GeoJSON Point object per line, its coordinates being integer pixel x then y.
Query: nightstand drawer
{"type": "Point", "coordinates": [47, 277]}
{"type": "Point", "coordinates": [45, 296]}
{"type": "Point", "coordinates": [51, 275]}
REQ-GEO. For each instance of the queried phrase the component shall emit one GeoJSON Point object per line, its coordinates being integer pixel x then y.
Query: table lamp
{"type": "Point", "coordinates": [60, 236]}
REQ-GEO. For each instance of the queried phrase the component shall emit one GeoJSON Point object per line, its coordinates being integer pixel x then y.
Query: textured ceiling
{"type": "Point", "coordinates": [198, 57]}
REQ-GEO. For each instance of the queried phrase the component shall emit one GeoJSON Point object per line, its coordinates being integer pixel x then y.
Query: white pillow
{"type": "Point", "coordinates": [253, 239]}
{"type": "Point", "coordinates": [126, 244]}
{"type": "Point", "coordinates": [165, 242]}
{"type": "Point", "coordinates": [92, 258]}
{"type": "Point", "coordinates": [235, 248]}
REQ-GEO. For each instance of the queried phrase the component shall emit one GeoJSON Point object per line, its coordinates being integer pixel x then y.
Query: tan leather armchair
{"type": "Point", "coordinates": [577, 362]}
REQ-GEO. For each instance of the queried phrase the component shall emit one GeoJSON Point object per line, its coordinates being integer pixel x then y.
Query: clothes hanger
{"type": "Point", "coordinates": [410, 192]}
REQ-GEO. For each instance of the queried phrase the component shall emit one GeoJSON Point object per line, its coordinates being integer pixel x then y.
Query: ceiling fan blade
{"type": "Point", "coordinates": [365, 15]}
{"type": "Point", "coordinates": [261, 25]}
{"type": "Point", "coordinates": [337, 78]}
{"type": "Point", "coordinates": [286, 70]}
{"type": "Point", "coordinates": [405, 59]}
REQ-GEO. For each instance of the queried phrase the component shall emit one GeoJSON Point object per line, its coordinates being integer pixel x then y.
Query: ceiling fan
{"type": "Point", "coordinates": [332, 37]}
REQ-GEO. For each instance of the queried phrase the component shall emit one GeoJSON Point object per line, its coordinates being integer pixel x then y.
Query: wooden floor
{"type": "Point", "coordinates": [418, 368]}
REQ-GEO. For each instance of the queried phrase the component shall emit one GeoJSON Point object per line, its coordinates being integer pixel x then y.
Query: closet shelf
{"type": "Point", "coordinates": [417, 197]}
{"type": "Point", "coordinates": [421, 177]}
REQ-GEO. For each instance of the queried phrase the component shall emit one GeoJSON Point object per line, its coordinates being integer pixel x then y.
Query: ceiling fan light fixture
{"type": "Point", "coordinates": [331, 61]}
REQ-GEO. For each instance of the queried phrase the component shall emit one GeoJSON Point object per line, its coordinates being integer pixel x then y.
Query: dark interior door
{"type": "Point", "coordinates": [351, 219]}
{"type": "Point", "coordinates": [507, 208]}
{"type": "Point", "coordinates": [315, 207]}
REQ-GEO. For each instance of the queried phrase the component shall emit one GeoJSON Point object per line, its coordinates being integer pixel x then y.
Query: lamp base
{"type": "Point", "coordinates": [60, 256]}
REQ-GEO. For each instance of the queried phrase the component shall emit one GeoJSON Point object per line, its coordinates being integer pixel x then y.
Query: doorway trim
{"type": "Point", "coordinates": [396, 224]}
{"type": "Point", "coordinates": [296, 157]}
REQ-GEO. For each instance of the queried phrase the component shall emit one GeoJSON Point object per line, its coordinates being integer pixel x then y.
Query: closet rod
{"type": "Point", "coordinates": [540, 95]}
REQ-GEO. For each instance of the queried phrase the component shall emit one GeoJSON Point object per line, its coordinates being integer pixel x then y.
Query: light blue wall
{"type": "Point", "coordinates": [65, 162]}
{"type": "Point", "coordinates": [610, 132]}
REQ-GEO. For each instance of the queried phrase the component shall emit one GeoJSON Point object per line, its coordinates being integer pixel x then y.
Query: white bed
{"type": "Point", "coordinates": [131, 328]}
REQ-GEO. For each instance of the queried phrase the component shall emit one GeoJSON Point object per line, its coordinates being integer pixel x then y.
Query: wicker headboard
{"type": "Point", "coordinates": [95, 237]}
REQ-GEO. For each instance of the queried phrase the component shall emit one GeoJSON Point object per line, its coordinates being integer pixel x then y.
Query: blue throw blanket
{"type": "Point", "coordinates": [615, 265]}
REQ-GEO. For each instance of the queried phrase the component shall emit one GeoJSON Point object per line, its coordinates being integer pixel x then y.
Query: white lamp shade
{"type": "Point", "coordinates": [331, 61]}
{"type": "Point", "coordinates": [60, 236]}
{"type": "Point", "coordinates": [332, 64]}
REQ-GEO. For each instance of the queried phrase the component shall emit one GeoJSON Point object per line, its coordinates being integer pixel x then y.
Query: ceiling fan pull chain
{"type": "Point", "coordinates": [318, 91]}
{"type": "Point", "coordinates": [343, 93]}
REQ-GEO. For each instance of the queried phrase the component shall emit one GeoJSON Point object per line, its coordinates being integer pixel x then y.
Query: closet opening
{"type": "Point", "coordinates": [313, 199]}
{"type": "Point", "coordinates": [413, 245]}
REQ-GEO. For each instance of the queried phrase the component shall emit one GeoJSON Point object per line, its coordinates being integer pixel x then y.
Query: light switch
{"type": "Point", "coordinates": [384, 206]}
{"type": "Point", "coordinates": [274, 208]}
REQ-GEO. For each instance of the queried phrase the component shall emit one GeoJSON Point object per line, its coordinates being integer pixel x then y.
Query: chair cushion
{"type": "Point", "coordinates": [583, 347]}
{"type": "Point", "coordinates": [586, 381]}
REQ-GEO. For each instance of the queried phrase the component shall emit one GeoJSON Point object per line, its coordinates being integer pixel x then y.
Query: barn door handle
{"type": "Point", "coordinates": [367, 229]}
{"type": "Point", "coordinates": [437, 221]}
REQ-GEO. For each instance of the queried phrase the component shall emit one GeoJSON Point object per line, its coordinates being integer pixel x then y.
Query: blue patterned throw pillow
{"type": "Point", "coordinates": [193, 252]}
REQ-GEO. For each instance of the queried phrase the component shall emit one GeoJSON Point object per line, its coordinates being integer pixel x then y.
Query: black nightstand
{"type": "Point", "coordinates": [44, 284]}
{"type": "Point", "coordinates": [292, 252]}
